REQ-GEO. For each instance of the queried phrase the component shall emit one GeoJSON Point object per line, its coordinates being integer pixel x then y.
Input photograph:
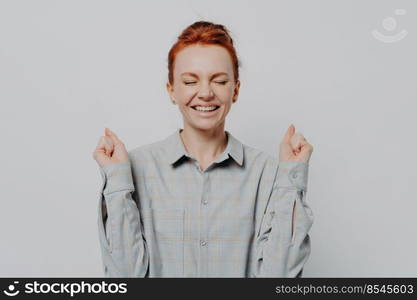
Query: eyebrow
{"type": "Point", "coordinates": [212, 76]}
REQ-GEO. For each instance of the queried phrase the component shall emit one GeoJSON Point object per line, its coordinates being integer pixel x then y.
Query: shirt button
{"type": "Point", "coordinates": [205, 202]}
{"type": "Point", "coordinates": [294, 175]}
{"type": "Point", "coordinates": [203, 243]}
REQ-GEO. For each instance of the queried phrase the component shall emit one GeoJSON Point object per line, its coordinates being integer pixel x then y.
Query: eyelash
{"type": "Point", "coordinates": [220, 82]}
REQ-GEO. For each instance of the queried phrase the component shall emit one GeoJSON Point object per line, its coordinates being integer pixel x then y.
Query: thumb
{"type": "Point", "coordinates": [289, 133]}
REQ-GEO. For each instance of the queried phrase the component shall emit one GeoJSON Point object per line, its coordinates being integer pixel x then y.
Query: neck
{"type": "Point", "coordinates": [204, 145]}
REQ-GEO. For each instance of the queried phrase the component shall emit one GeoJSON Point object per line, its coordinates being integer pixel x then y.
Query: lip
{"type": "Point", "coordinates": [206, 114]}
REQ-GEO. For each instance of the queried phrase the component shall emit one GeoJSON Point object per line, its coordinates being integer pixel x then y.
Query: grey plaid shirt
{"type": "Point", "coordinates": [161, 216]}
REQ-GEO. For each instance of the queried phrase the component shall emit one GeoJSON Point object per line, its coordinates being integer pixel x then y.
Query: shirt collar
{"type": "Point", "coordinates": [176, 149]}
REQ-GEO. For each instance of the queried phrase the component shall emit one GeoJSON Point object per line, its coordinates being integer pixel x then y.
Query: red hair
{"type": "Point", "coordinates": [203, 33]}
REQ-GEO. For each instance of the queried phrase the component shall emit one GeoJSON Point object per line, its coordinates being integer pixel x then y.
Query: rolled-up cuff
{"type": "Point", "coordinates": [117, 177]}
{"type": "Point", "coordinates": [292, 174]}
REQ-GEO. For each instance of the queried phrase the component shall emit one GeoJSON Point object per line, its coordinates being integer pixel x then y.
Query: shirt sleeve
{"type": "Point", "coordinates": [123, 248]}
{"type": "Point", "coordinates": [281, 252]}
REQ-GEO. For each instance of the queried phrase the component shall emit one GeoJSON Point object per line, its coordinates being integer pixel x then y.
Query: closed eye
{"type": "Point", "coordinates": [192, 82]}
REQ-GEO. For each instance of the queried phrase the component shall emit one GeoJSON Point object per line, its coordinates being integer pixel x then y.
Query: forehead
{"type": "Point", "coordinates": [203, 59]}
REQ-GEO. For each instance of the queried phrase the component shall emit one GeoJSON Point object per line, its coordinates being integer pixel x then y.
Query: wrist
{"type": "Point", "coordinates": [118, 176]}
{"type": "Point", "coordinates": [292, 174]}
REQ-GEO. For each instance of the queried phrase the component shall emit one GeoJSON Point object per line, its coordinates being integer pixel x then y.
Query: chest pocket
{"type": "Point", "coordinates": [164, 235]}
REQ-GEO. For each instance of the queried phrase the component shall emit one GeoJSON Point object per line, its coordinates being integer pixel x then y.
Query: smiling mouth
{"type": "Point", "coordinates": [205, 109]}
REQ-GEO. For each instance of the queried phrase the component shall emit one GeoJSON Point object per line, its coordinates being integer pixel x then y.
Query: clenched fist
{"type": "Point", "coordinates": [294, 147]}
{"type": "Point", "coordinates": [110, 149]}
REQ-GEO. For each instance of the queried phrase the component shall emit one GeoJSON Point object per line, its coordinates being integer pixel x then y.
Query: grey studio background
{"type": "Point", "coordinates": [70, 68]}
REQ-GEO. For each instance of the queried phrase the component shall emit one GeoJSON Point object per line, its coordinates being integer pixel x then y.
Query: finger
{"type": "Point", "coordinates": [302, 137]}
{"type": "Point", "coordinates": [305, 147]}
{"type": "Point", "coordinates": [101, 147]}
{"type": "Point", "coordinates": [108, 144]}
{"type": "Point", "coordinates": [113, 136]}
{"type": "Point", "coordinates": [289, 133]}
{"type": "Point", "coordinates": [308, 147]}
{"type": "Point", "coordinates": [296, 141]}
{"type": "Point", "coordinates": [303, 140]}
{"type": "Point", "coordinates": [303, 143]}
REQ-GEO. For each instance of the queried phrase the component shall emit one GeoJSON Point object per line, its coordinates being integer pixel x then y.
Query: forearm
{"type": "Point", "coordinates": [284, 243]}
{"type": "Point", "coordinates": [124, 250]}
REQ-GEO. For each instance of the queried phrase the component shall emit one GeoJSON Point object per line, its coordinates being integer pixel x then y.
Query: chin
{"type": "Point", "coordinates": [207, 126]}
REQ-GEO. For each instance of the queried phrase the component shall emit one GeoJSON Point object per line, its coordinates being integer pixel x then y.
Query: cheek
{"type": "Point", "coordinates": [184, 95]}
{"type": "Point", "coordinates": [224, 93]}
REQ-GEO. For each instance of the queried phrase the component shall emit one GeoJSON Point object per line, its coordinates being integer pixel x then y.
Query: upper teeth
{"type": "Point", "coordinates": [205, 108]}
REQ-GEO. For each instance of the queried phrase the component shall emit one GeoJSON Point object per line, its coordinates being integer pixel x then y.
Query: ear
{"type": "Point", "coordinates": [170, 90]}
{"type": "Point", "coordinates": [236, 91]}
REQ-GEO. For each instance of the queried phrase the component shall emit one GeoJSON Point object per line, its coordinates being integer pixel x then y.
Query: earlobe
{"type": "Point", "coordinates": [169, 89]}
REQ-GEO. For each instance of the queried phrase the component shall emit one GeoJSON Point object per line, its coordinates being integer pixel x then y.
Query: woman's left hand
{"type": "Point", "coordinates": [294, 147]}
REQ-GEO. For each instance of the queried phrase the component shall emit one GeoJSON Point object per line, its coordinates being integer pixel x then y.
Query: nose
{"type": "Point", "coordinates": [205, 92]}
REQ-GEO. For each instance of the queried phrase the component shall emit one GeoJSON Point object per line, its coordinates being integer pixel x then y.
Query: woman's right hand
{"type": "Point", "coordinates": [110, 149]}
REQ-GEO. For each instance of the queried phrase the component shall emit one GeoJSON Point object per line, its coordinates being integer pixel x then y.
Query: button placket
{"type": "Point", "coordinates": [204, 195]}
{"type": "Point", "coordinates": [204, 225]}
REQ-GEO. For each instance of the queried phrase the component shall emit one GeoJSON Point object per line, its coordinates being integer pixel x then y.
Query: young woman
{"type": "Point", "coordinates": [199, 203]}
